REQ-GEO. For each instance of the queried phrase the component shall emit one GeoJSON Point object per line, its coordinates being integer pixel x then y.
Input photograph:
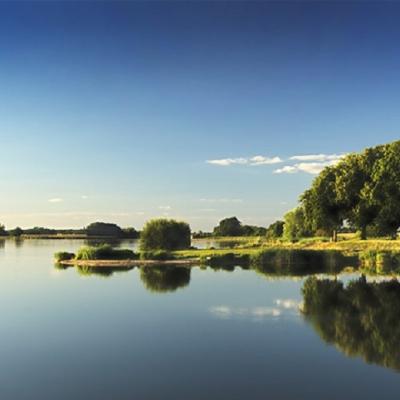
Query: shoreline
{"type": "Point", "coordinates": [128, 262]}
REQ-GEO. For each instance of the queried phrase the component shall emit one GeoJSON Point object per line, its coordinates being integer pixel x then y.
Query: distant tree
{"type": "Point", "coordinates": [251, 230]}
{"type": "Point", "coordinates": [17, 232]}
{"type": "Point", "coordinates": [131, 233]}
{"type": "Point", "coordinates": [275, 230]}
{"type": "Point", "coordinates": [295, 226]}
{"type": "Point", "coordinates": [228, 227]}
{"type": "Point", "coordinates": [165, 234]}
{"type": "Point", "coordinates": [104, 229]}
{"type": "Point", "coordinates": [3, 231]}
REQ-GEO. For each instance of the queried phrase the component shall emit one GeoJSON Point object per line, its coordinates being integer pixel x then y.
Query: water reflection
{"type": "Point", "coordinates": [162, 279]}
{"type": "Point", "coordinates": [360, 319]}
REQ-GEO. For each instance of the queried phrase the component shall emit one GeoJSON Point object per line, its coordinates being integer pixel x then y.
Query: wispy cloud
{"type": "Point", "coordinates": [84, 197]}
{"type": "Point", "coordinates": [225, 162]}
{"type": "Point", "coordinates": [261, 160]}
{"type": "Point", "coordinates": [318, 157]}
{"type": "Point", "coordinates": [55, 200]}
{"type": "Point", "coordinates": [254, 312]}
{"type": "Point", "coordinates": [253, 161]}
{"type": "Point", "coordinates": [307, 163]}
{"type": "Point", "coordinates": [165, 208]}
{"type": "Point", "coordinates": [313, 168]}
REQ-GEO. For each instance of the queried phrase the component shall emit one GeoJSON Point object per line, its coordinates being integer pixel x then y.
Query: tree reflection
{"type": "Point", "coordinates": [360, 319]}
{"type": "Point", "coordinates": [105, 272]}
{"type": "Point", "coordinates": [165, 278]}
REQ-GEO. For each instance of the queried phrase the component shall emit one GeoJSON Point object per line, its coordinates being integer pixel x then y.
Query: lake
{"type": "Point", "coordinates": [182, 334]}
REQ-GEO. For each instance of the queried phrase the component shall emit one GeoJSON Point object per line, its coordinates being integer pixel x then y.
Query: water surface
{"type": "Point", "coordinates": [193, 334]}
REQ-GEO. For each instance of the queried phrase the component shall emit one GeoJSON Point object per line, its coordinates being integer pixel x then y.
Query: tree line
{"type": "Point", "coordinates": [361, 192]}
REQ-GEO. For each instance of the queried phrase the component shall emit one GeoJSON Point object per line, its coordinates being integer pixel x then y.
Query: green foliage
{"type": "Point", "coordinates": [156, 255]}
{"type": "Point", "coordinates": [275, 230]}
{"type": "Point", "coordinates": [295, 226]}
{"type": "Point", "coordinates": [3, 230]}
{"type": "Point", "coordinates": [17, 232]}
{"type": "Point", "coordinates": [104, 252]}
{"type": "Point", "coordinates": [165, 234]}
{"type": "Point", "coordinates": [380, 261]}
{"type": "Point", "coordinates": [63, 256]}
{"type": "Point", "coordinates": [228, 227]}
{"type": "Point", "coordinates": [360, 319]}
{"type": "Point", "coordinates": [104, 229]}
{"type": "Point", "coordinates": [362, 189]}
{"type": "Point", "coordinates": [131, 233]}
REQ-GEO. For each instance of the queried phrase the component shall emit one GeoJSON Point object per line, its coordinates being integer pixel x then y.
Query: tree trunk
{"type": "Point", "coordinates": [334, 235]}
{"type": "Point", "coordinates": [363, 235]}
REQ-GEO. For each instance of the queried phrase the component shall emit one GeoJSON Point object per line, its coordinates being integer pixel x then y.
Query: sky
{"type": "Point", "coordinates": [125, 111]}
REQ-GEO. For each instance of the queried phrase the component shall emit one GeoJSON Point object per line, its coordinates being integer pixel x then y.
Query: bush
{"type": "Point", "coordinates": [156, 255]}
{"type": "Point", "coordinates": [165, 234]}
{"type": "Point", "coordinates": [63, 256]}
{"type": "Point", "coordinates": [104, 252]}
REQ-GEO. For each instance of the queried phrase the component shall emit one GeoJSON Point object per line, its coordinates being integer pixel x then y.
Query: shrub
{"type": "Point", "coordinates": [165, 234]}
{"type": "Point", "coordinates": [104, 252]}
{"type": "Point", "coordinates": [156, 255]}
{"type": "Point", "coordinates": [64, 256]}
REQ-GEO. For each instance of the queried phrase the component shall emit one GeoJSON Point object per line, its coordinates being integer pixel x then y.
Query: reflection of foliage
{"type": "Point", "coordinates": [85, 270]}
{"type": "Point", "coordinates": [361, 319]}
{"type": "Point", "coordinates": [298, 262]}
{"type": "Point", "coordinates": [164, 278]}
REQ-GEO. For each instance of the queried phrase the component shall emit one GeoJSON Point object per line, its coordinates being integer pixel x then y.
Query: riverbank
{"type": "Point", "coordinates": [127, 263]}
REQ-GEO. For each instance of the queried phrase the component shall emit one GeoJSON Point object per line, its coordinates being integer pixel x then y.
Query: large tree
{"type": "Point", "coordinates": [322, 210]}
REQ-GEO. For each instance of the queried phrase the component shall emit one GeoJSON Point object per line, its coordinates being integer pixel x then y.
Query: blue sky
{"type": "Point", "coordinates": [124, 111]}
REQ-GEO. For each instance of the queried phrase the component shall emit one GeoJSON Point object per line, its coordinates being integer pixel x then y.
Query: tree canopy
{"type": "Point", "coordinates": [104, 229]}
{"type": "Point", "coordinates": [165, 234]}
{"type": "Point", "coordinates": [362, 190]}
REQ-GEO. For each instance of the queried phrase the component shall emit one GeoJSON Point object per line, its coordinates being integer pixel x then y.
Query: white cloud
{"type": "Point", "coordinates": [318, 157]}
{"type": "Point", "coordinates": [255, 160]}
{"type": "Point", "coordinates": [288, 304]}
{"type": "Point", "coordinates": [84, 197]}
{"type": "Point", "coordinates": [55, 200]}
{"type": "Point", "coordinates": [313, 168]}
{"type": "Point", "coordinates": [225, 162]}
{"type": "Point", "coordinates": [261, 160]}
{"type": "Point", "coordinates": [287, 169]}
{"type": "Point", "coordinates": [253, 312]}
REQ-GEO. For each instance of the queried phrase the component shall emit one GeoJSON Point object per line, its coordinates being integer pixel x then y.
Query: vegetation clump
{"type": "Point", "coordinates": [165, 234]}
{"type": "Point", "coordinates": [64, 256]}
{"type": "Point", "coordinates": [105, 252]}
{"type": "Point", "coordinates": [376, 261]}
{"type": "Point", "coordinates": [160, 255]}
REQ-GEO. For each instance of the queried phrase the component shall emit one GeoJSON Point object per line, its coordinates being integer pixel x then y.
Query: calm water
{"type": "Point", "coordinates": [199, 334]}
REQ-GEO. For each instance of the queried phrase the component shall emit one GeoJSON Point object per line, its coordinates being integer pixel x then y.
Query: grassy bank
{"type": "Point", "coordinates": [306, 256]}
